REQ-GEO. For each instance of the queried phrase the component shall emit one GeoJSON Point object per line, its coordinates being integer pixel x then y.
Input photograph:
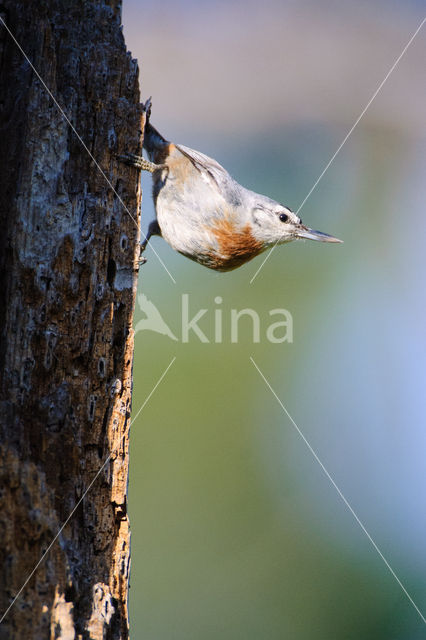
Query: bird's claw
{"type": "Point", "coordinates": [139, 162]}
{"type": "Point", "coordinates": [131, 159]}
{"type": "Point", "coordinates": [142, 258]}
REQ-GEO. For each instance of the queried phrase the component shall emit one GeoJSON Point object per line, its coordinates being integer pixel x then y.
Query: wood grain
{"type": "Point", "coordinates": [68, 275]}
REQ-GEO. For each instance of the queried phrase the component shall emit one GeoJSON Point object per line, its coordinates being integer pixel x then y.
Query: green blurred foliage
{"type": "Point", "coordinates": [236, 530]}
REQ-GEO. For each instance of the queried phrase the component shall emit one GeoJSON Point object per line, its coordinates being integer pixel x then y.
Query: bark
{"type": "Point", "coordinates": [68, 258]}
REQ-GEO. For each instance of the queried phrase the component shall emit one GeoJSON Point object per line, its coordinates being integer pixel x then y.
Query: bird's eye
{"type": "Point", "coordinates": [283, 217]}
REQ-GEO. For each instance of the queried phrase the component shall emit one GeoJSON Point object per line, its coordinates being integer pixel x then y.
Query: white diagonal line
{"type": "Point", "coordinates": [82, 497]}
{"type": "Point", "coordinates": [355, 124]}
{"type": "Point", "coordinates": [339, 491]}
{"type": "Point", "coordinates": [60, 109]}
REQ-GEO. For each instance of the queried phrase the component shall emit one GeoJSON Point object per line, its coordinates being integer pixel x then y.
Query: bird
{"type": "Point", "coordinates": [206, 215]}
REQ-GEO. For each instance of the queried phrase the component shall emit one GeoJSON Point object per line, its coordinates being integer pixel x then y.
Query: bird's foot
{"type": "Point", "coordinates": [139, 162]}
{"type": "Point", "coordinates": [133, 160]}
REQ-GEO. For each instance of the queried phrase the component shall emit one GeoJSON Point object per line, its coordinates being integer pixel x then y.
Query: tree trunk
{"type": "Point", "coordinates": [68, 257]}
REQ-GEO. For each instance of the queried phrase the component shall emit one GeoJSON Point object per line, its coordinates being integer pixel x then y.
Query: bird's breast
{"type": "Point", "coordinates": [233, 244]}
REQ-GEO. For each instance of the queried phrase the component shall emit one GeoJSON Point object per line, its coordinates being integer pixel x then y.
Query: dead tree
{"type": "Point", "coordinates": [69, 216]}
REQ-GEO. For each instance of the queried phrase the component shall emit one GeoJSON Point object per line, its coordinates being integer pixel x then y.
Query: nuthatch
{"type": "Point", "coordinates": [203, 213]}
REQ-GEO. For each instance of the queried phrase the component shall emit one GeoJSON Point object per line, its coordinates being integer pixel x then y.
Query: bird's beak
{"type": "Point", "coordinates": [310, 234]}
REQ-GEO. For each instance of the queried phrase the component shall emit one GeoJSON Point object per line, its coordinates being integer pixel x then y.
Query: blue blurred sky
{"type": "Point", "coordinates": [270, 89]}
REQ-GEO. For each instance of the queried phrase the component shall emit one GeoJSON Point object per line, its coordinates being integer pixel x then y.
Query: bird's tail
{"type": "Point", "coordinates": [153, 142]}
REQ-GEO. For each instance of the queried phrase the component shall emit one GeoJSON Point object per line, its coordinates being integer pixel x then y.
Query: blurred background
{"type": "Point", "coordinates": [236, 530]}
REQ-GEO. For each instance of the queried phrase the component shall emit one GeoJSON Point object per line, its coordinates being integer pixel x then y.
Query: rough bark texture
{"type": "Point", "coordinates": [68, 258]}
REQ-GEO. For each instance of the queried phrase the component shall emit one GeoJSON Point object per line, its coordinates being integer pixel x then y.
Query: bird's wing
{"type": "Point", "coordinates": [204, 164]}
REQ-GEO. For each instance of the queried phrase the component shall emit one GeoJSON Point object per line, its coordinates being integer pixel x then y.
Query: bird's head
{"type": "Point", "coordinates": [273, 223]}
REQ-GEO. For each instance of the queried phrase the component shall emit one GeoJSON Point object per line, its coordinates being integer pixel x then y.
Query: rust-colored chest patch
{"type": "Point", "coordinates": [236, 245]}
